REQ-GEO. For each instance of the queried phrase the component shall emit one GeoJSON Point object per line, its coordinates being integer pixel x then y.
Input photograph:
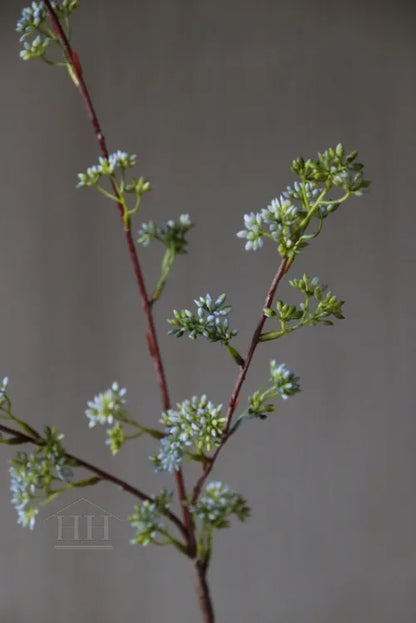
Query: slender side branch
{"type": "Point", "coordinates": [37, 441]}
{"type": "Point", "coordinates": [233, 402]}
{"type": "Point", "coordinates": [152, 340]}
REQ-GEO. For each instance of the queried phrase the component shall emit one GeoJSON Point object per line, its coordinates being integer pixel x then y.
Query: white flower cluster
{"type": "Point", "coordinates": [108, 407]}
{"type": "Point", "coordinates": [107, 166]}
{"type": "Point", "coordinates": [281, 218]}
{"type": "Point", "coordinates": [253, 231]}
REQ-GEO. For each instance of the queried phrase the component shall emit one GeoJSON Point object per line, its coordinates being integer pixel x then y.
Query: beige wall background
{"type": "Point", "coordinates": [217, 98]}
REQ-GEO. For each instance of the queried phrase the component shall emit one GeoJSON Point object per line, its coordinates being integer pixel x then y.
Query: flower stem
{"type": "Point", "coordinates": [202, 591]}
{"type": "Point", "coordinates": [152, 340]}
{"type": "Point", "coordinates": [255, 340]}
{"type": "Point", "coordinates": [37, 440]}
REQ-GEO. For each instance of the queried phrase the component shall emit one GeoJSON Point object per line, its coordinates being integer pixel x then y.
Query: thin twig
{"type": "Point", "coordinates": [38, 441]}
{"type": "Point", "coordinates": [233, 402]}
{"type": "Point", "coordinates": [74, 61]}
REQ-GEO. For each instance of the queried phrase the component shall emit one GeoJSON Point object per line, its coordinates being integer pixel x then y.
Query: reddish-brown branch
{"type": "Point", "coordinates": [202, 591]}
{"type": "Point", "coordinates": [154, 349]}
{"type": "Point", "coordinates": [283, 268]}
{"type": "Point", "coordinates": [37, 441]}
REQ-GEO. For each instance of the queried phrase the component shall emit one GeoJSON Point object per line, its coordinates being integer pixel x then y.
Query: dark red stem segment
{"type": "Point", "coordinates": [202, 591]}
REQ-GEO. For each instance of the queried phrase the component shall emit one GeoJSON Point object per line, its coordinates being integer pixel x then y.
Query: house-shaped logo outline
{"type": "Point", "coordinates": [83, 544]}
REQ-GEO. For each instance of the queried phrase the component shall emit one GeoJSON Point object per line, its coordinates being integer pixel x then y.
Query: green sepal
{"type": "Point", "coordinates": [12, 441]}
{"type": "Point", "coordinates": [72, 74]}
{"type": "Point", "coordinates": [167, 263]}
{"type": "Point", "coordinates": [25, 427]}
{"type": "Point", "coordinates": [270, 335]}
{"type": "Point", "coordinates": [87, 482]}
{"type": "Point", "coordinates": [235, 355]}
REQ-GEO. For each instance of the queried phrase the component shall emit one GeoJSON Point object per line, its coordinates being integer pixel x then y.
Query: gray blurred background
{"type": "Point", "coordinates": [217, 98]}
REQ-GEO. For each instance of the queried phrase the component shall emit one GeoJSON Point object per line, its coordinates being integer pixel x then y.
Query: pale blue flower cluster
{"type": "Point", "coordinates": [218, 503]}
{"type": "Point", "coordinates": [148, 520]}
{"type": "Point", "coordinates": [285, 382]}
{"type": "Point", "coordinates": [32, 476]}
{"type": "Point", "coordinates": [211, 320]}
{"type": "Point", "coordinates": [30, 19]}
{"type": "Point", "coordinates": [33, 19]}
{"type": "Point", "coordinates": [171, 233]}
{"type": "Point", "coordinates": [33, 16]}
{"type": "Point", "coordinates": [195, 424]}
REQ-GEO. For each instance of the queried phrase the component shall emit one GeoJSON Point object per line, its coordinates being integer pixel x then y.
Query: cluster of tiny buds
{"type": "Point", "coordinates": [107, 166]}
{"type": "Point", "coordinates": [285, 382]}
{"type": "Point", "coordinates": [35, 48]}
{"type": "Point", "coordinates": [31, 18]}
{"type": "Point", "coordinates": [196, 422]}
{"type": "Point", "coordinates": [211, 320]}
{"type": "Point", "coordinates": [218, 503]}
{"type": "Point", "coordinates": [171, 233]}
{"type": "Point", "coordinates": [298, 191]}
{"type": "Point", "coordinates": [148, 518]}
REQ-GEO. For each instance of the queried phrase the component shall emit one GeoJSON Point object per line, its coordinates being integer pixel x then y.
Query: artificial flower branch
{"type": "Point", "coordinates": [195, 429]}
